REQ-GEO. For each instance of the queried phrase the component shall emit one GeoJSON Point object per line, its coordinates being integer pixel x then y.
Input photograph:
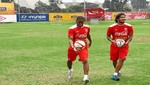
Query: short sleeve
{"type": "Point", "coordinates": [70, 32]}
{"type": "Point", "coordinates": [130, 30]}
{"type": "Point", "coordinates": [89, 30]}
{"type": "Point", "coordinates": [109, 31]}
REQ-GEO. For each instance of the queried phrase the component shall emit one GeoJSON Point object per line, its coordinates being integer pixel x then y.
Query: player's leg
{"type": "Point", "coordinates": [116, 74]}
{"type": "Point", "coordinates": [83, 54]}
{"type": "Point", "coordinates": [122, 57]}
{"type": "Point", "coordinates": [71, 57]}
{"type": "Point", "coordinates": [114, 57]}
{"type": "Point", "coordinates": [114, 63]}
{"type": "Point", "coordinates": [85, 67]}
{"type": "Point", "coordinates": [70, 71]}
{"type": "Point", "coordinates": [86, 71]}
{"type": "Point", "coordinates": [119, 66]}
{"type": "Point", "coordinates": [123, 52]}
{"type": "Point", "coordinates": [69, 64]}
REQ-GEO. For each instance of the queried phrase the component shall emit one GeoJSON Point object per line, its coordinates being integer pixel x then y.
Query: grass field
{"type": "Point", "coordinates": [35, 54]}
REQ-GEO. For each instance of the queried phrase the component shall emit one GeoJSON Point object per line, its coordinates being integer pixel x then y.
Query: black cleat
{"type": "Point", "coordinates": [86, 82]}
{"type": "Point", "coordinates": [114, 77]}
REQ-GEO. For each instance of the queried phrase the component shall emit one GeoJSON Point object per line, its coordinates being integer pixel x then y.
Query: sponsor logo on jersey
{"type": "Point", "coordinates": [124, 33]}
{"type": "Point", "coordinates": [81, 35]}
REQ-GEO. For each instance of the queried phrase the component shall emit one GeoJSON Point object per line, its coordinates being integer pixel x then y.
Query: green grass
{"type": "Point", "coordinates": [35, 54]}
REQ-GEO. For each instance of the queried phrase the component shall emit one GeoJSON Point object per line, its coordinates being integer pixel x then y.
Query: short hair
{"type": "Point", "coordinates": [118, 16]}
{"type": "Point", "coordinates": [80, 18]}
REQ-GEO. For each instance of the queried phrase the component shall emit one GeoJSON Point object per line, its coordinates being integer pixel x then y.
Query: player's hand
{"type": "Point", "coordinates": [113, 41]}
{"type": "Point", "coordinates": [76, 49]}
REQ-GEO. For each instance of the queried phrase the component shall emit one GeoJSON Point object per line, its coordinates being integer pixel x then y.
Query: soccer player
{"type": "Point", "coordinates": [79, 31]}
{"type": "Point", "coordinates": [119, 30]}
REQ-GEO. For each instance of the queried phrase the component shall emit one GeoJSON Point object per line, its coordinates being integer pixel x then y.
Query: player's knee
{"type": "Point", "coordinates": [84, 61]}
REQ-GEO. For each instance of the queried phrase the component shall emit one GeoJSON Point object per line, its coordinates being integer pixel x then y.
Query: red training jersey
{"type": "Point", "coordinates": [79, 33]}
{"type": "Point", "coordinates": [120, 31]}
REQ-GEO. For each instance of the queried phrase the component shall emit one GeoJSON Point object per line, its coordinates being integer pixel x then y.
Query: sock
{"type": "Point", "coordinates": [85, 77]}
{"type": "Point", "coordinates": [70, 69]}
{"type": "Point", "coordinates": [119, 71]}
{"type": "Point", "coordinates": [115, 73]}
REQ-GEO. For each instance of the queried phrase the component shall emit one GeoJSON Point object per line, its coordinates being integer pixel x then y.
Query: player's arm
{"type": "Point", "coordinates": [110, 39]}
{"type": "Point", "coordinates": [90, 40]}
{"type": "Point", "coordinates": [129, 39]}
{"type": "Point", "coordinates": [130, 36]}
{"type": "Point", "coordinates": [71, 41]}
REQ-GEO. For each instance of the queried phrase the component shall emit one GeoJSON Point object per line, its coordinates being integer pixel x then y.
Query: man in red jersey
{"type": "Point", "coordinates": [79, 31]}
{"type": "Point", "coordinates": [119, 30]}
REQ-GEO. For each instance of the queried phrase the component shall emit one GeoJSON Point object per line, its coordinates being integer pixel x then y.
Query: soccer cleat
{"type": "Point", "coordinates": [115, 77]}
{"type": "Point", "coordinates": [70, 73]}
{"type": "Point", "coordinates": [119, 74]}
{"type": "Point", "coordinates": [86, 81]}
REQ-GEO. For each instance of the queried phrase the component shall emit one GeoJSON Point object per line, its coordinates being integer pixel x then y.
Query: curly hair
{"type": "Point", "coordinates": [118, 16]}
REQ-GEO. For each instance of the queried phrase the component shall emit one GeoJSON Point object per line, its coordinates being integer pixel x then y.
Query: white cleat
{"type": "Point", "coordinates": [70, 72]}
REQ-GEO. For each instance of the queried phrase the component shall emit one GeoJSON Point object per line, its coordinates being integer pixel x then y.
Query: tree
{"type": "Point", "coordinates": [51, 0]}
{"type": "Point", "coordinates": [7, 0]}
{"type": "Point", "coordinates": [90, 5]}
{"type": "Point", "coordinates": [41, 7]}
{"type": "Point", "coordinates": [80, 7]}
{"type": "Point", "coordinates": [114, 5]}
{"type": "Point", "coordinates": [17, 6]}
{"type": "Point", "coordinates": [106, 4]}
{"type": "Point", "coordinates": [139, 4]}
{"type": "Point", "coordinates": [22, 9]}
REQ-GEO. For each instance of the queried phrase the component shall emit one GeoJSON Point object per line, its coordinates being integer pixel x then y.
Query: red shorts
{"type": "Point", "coordinates": [116, 52]}
{"type": "Point", "coordinates": [72, 55]}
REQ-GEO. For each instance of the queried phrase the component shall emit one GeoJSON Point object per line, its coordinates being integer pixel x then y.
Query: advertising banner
{"type": "Point", "coordinates": [108, 15]}
{"type": "Point", "coordinates": [32, 17]}
{"type": "Point", "coordinates": [114, 15]}
{"type": "Point", "coordinates": [7, 8]}
{"type": "Point", "coordinates": [132, 15]}
{"type": "Point", "coordinates": [136, 15]}
{"type": "Point", "coordinates": [8, 18]}
{"type": "Point", "coordinates": [63, 16]}
{"type": "Point", "coordinates": [95, 13]}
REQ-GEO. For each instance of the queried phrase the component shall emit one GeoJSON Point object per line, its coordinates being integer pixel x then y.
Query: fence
{"type": "Point", "coordinates": [7, 10]}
